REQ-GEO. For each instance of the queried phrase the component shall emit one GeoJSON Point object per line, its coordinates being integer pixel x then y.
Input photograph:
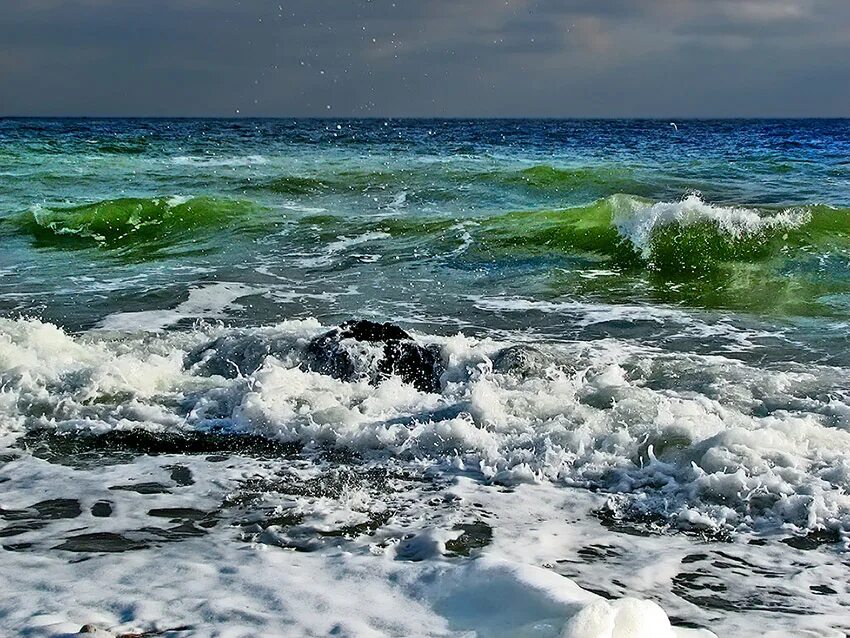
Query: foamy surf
{"type": "Point", "coordinates": [728, 448]}
{"type": "Point", "coordinates": [699, 456]}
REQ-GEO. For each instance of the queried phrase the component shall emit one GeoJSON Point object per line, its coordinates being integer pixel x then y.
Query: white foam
{"type": "Point", "coordinates": [342, 244]}
{"type": "Point", "coordinates": [206, 302]}
{"type": "Point", "coordinates": [207, 160]}
{"type": "Point", "coordinates": [177, 200]}
{"type": "Point", "coordinates": [699, 452]}
{"type": "Point", "coordinates": [636, 220]}
{"type": "Point", "coordinates": [252, 591]}
{"type": "Point", "coordinates": [685, 440]}
{"type": "Point", "coordinates": [399, 580]}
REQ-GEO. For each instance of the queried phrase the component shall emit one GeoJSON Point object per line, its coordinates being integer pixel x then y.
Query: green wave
{"type": "Point", "coordinates": [787, 262]}
{"type": "Point", "coordinates": [131, 146]}
{"type": "Point", "coordinates": [130, 222]}
{"type": "Point", "coordinates": [613, 179]}
{"type": "Point", "coordinates": [296, 185]}
{"type": "Point", "coordinates": [676, 238]}
{"type": "Point", "coordinates": [678, 252]}
{"type": "Point", "coordinates": [775, 260]}
{"type": "Point", "coordinates": [585, 230]}
{"type": "Point", "coordinates": [443, 182]}
{"type": "Point", "coordinates": [698, 241]}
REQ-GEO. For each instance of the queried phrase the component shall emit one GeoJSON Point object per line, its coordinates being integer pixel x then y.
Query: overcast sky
{"type": "Point", "coordinates": [455, 58]}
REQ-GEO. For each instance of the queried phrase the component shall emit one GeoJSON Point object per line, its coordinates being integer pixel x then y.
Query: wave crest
{"type": "Point", "coordinates": [641, 224]}
{"type": "Point", "coordinates": [130, 220]}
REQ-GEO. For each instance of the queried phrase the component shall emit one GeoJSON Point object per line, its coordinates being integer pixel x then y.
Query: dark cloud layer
{"type": "Point", "coordinates": [554, 58]}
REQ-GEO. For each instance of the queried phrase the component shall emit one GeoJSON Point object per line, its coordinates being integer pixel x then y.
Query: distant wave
{"type": "Point", "coordinates": [439, 181]}
{"type": "Point", "coordinates": [129, 221]}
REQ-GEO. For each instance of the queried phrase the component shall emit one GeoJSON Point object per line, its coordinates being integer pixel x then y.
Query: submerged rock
{"type": "Point", "coordinates": [232, 355]}
{"type": "Point", "coordinates": [519, 360]}
{"type": "Point", "coordinates": [418, 365]}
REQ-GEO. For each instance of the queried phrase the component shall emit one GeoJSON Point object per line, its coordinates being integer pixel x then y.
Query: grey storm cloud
{"type": "Point", "coordinates": [550, 58]}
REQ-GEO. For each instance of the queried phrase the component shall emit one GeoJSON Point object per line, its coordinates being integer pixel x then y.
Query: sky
{"type": "Point", "coordinates": [426, 58]}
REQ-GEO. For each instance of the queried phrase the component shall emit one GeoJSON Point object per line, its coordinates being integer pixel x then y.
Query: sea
{"type": "Point", "coordinates": [389, 377]}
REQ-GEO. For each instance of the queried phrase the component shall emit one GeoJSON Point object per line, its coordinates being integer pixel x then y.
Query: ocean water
{"type": "Point", "coordinates": [640, 391]}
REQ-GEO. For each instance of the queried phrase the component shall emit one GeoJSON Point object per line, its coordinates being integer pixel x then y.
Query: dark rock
{"type": "Point", "coordinates": [813, 539]}
{"type": "Point", "coordinates": [325, 355]}
{"type": "Point", "coordinates": [143, 488]}
{"type": "Point", "coordinates": [420, 366]}
{"type": "Point", "coordinates": [182, 475]}
{"type": "Point", "coordinates": [58, 508]}
{"type": "Point", "coordinates": [475, 536]}
{"type": "Point", "coordinates": [84, 447]}
{"type": "Point", "coordinates": [179, 513]}
{"type": "Point", "coordinates": [100, 542]}
{"type": "Point", "coordinates": [45, 510]}
{"type": "Point", "coordinates": [373, 332]}
{"type": "Point", "coordinates": [21, 527]}
{"type": "Point", "coordinates": [102, 509]}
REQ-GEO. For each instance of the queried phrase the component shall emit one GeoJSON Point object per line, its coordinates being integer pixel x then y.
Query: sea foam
{"type": "Point", "coordinates": [728, 447]}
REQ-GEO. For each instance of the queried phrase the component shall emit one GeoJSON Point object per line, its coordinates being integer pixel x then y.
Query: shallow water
{"type": "Point", "coordinates": [642, 337]}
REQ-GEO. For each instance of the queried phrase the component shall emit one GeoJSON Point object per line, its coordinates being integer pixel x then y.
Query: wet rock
{"type": "Point", "coordinates": [21, 527]}
{"type": "Point", "coordinates": [84, 448]}
{"type": "Point", "coordinates": [182, 475]}
{"type": "Point", "coordinates": [234, 354]}
{"type": "Point", "coordinates": [179, 513]}
{"type": "Point", "coordinates": [814, 539]}
{"type": "Point", "coordinates": [520, 360]}
{"type": "Point", "coordinates": [143, 488]}
{"type": "Point", "coordinates": [102, 509]}
{"type": "Point", "coordinates": [45, 510]}
{"type": "Point", "coordinates": [418, 365]}
{"type": "Point", "coordinates": [100, 542]}
{"type": "Point", "coordinates": [58, 508]}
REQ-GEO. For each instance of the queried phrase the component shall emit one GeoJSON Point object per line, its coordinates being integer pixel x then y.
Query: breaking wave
{"type": "Point", "coordinates": [687, 441]}
{"type": "Point", "coordinates": [673, 237]}
{"type": "Point", "coordinates": [682, 237]}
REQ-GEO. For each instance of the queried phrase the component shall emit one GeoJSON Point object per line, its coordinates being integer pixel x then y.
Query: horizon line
{"type": "Point", "coordinates": [445, 118]}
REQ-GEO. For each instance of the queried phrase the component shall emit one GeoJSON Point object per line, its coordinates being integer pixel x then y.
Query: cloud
{"type": "Point", "coordinates": [425, 57]}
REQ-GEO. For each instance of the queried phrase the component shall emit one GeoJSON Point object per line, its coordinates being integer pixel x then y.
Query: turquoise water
{"type": "Point", "coordinates": [101, 216]}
